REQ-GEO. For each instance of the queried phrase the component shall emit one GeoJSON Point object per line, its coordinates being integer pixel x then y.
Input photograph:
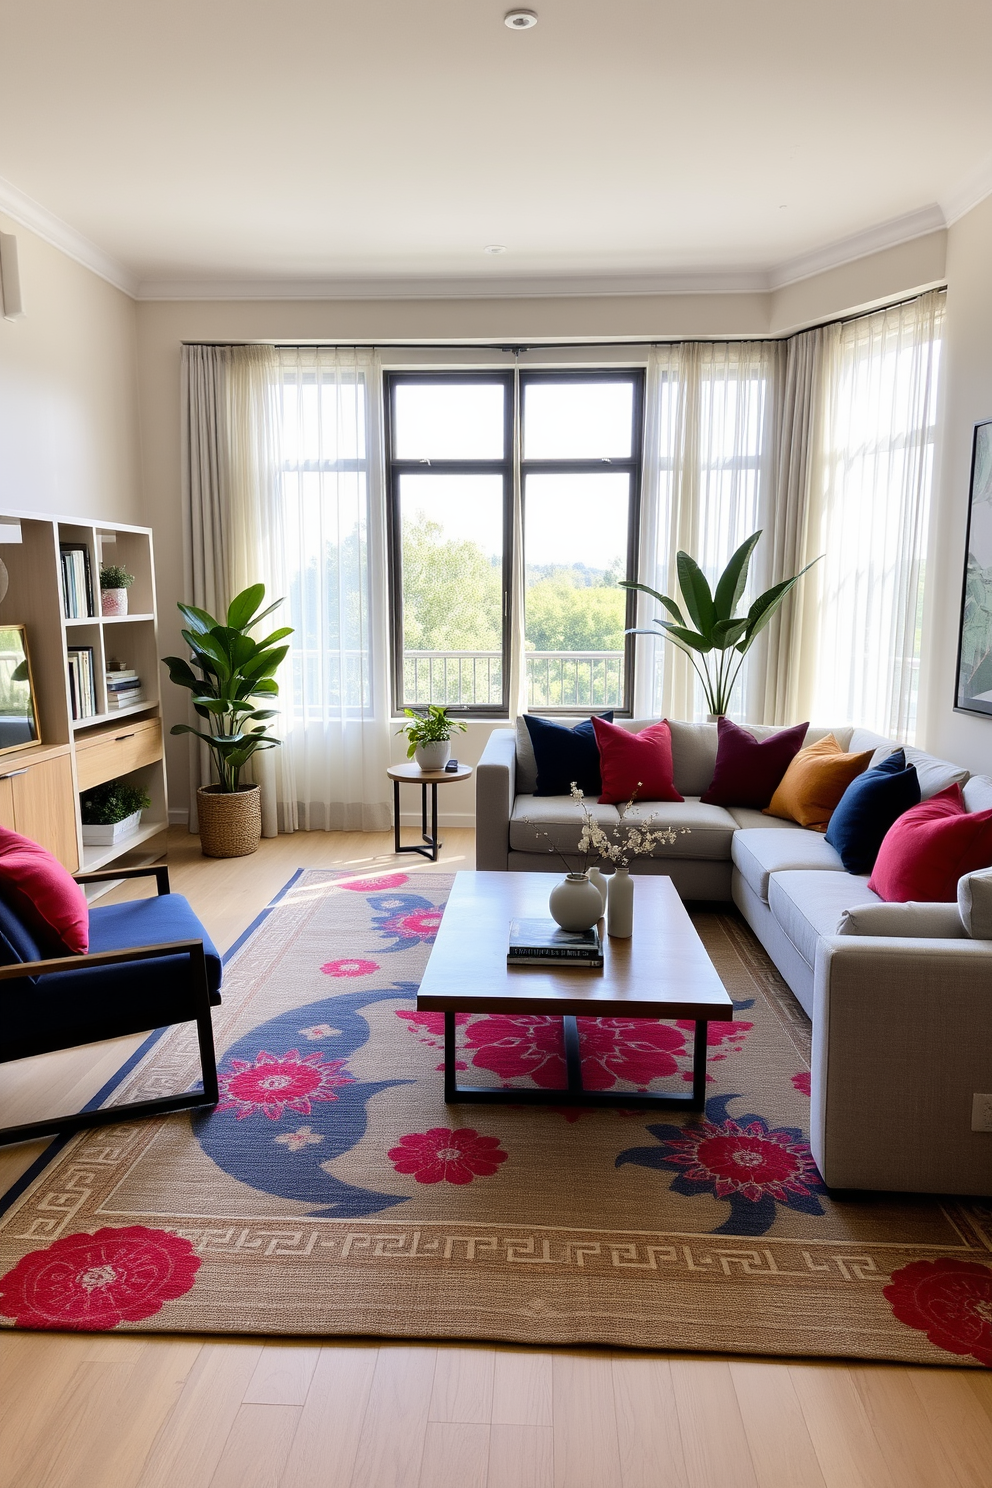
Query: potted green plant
{"type": "Point", "coordinates": [721, 640]}
{"type": "Point", "coordinates": [112, 811]}
{"type": "Point", "coordinates": [115, 581]}
{"type": "Point", "coordinates": [429, 735]}
{"type": "Point", "coordinates": [226, 672]}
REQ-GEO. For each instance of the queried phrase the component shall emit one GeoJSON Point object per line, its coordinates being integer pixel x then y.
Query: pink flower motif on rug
{"type": "Point", "coordinates": [319, 1031]}
{"type": "Point", "coordinates": [90, 1283]}
{"type": "Point", "coordinates": [298, 1139]}
{"type": "Point", "coordinates": [520, 1046]}
{"type": "Point", "coordinates": [750, 1160]}
{"type": "Point", "coordinates": [801, 1082]}
{"type": "Point", "coordinates": [351, 968]}
{"type": "Point", "coordinates": [445, 1156]}
{"type": "Point", "coordinates": [632, 1049]}
{"type": "Point", "coordinates": [950, 1301]}
{"type": "Point", "coordinates": [432, 1026]}
{"type": "Point", "coordinates": [278, 1082]}
{"type": "Point", "coordinates": [731, 1034]}
{"type": "Point", "coordinates": [376, 885]}
{"type": "Point", "coordinates": [420, 924]}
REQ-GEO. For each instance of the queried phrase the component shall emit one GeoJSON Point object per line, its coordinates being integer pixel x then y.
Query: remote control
{"type": "Point", "coordinates": [451, 765]}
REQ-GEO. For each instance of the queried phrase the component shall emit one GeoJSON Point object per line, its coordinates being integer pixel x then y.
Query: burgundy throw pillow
{"type": "Point", "coordinates": [640, 763]}
{"type": "Point", "coordinates": [748, 772]}
{"type": "Point", "coordinates": [44, 895]}
{"type": "Point", "coordinates": [929, 847]}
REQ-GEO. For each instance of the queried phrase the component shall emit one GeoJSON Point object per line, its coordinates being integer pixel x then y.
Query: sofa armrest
{"type": "Point", "coordinates": [495, 792]}
{"type": "Point", "coordinates": [902, 1040]}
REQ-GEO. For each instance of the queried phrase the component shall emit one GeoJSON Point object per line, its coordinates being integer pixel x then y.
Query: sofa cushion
{"type": "Point", "coordinates": [927, 850]}
{"type": "Point", "coordinates": [975, 903]}
{"type": "Point", "coordinates": [693, 756]}
{"type": "Point", "coordinates": [635, 764]}
{"type": "Point", "coordinates": [867, 809]}
{"type": "Point", "coordinates": [977, 793]}
{"type": "Point", "coordinates": [808, 905]}
{"type": "Point", "coordinates": [545, 823]}
{"type": "Point", "coordinates": [757, 821]}
{"type": "Point", "coordinates": [759, 854]}
{"type": "Point", "coordinates": [710, 828]}
{"type": "Point", "coordinates": [155, 921]}
{"type": "Point", "coordinates": [38, 890]}
{"type": "Point", "coordinates": [564, 754]}
{"type": "Point", "coordinates": [748, 769]}
{"type": "Point", "coordinates": [815, 781]}
{"type": "Point", "coordinates": [913, 921]}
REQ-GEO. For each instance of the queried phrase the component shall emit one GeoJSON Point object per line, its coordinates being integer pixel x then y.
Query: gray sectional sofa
{"type": "Point", "coordinates": [900, 996]}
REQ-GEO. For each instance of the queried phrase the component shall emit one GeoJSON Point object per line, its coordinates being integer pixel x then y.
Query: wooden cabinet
{"type": "Point", "coordinates": [106, 753]}
{"type": "Point", "coordinates": [37, 800]}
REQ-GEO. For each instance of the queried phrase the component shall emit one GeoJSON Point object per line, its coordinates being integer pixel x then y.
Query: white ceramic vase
{"type": "Point", "coordinates": [113, 601]}
{"type": "Point", "coordinates": [620, 907]}
{"type": "Point", "coordinates": [597, 877]}
{"type": "Point", "coordinates": [575, 903]}
{"type": "Point", "coordinates": [433, 756]}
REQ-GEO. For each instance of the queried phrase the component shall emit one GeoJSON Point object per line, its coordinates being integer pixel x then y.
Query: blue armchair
{"type": "Point", "coordinates": [150, 964]}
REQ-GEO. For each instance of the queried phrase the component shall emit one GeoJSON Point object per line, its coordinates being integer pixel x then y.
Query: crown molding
{"type": "Point", "coordinates": [974, 188]}
{"type": "Point", "coordinates": [32, 215]}
{"type": "Point", "coordinates": [875, 239]}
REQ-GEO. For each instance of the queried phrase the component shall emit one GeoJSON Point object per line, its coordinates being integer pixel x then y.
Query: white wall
{"type": "Point", "coordinates": [966, 399]}
{"type": "Point", "coordinates": [68, 391]}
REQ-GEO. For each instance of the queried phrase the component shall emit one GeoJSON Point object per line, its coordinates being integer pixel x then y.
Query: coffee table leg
{"type": "Point", "coordinates": [699, 1051]}
{"type": "Point", "coordinates": [450, 1073]}
{"type": "Point", "coordinates": [573, 1064]}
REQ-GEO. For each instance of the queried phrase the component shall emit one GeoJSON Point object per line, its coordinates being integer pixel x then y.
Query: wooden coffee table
{"type": "Point", "coordinates": [663, 971]}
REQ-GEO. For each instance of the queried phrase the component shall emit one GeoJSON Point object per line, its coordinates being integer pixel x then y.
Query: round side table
{"type": "Point", "coordinates": [414, 775]}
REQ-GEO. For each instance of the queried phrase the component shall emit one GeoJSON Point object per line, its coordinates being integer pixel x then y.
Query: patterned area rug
{"type": "Point", "coordinates": [333, 1193]}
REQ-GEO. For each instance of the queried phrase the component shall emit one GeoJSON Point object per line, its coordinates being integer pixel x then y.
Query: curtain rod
{"type": "Point", "coordinates": [512, 348]}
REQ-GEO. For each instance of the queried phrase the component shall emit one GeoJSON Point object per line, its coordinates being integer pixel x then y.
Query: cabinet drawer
{"type": "Point", "coordinates": [112, 752]}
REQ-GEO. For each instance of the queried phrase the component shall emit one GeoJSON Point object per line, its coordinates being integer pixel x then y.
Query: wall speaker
{"type": "Point", "coordinates": [10, 278]}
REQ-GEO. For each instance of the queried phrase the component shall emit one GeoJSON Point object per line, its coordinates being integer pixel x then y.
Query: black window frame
{"type": "Point", "coordinates": [633, 465]}
{"type": "Point", "coordinates": [396, 469]}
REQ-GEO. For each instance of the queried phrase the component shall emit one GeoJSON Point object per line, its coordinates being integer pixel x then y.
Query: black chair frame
{"type": "Point", "coordinates": [193, 949]}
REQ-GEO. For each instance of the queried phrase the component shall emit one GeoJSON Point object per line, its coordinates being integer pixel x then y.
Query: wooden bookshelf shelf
{"type": "Point", "coordinates": [43, 801]}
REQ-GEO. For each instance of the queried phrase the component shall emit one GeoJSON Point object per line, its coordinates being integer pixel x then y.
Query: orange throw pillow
{"type": "Point", "coordinates": [814, 783]}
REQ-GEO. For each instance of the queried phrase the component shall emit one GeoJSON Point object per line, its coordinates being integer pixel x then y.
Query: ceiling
{"type": "Point", "coordinates": [299, 146]}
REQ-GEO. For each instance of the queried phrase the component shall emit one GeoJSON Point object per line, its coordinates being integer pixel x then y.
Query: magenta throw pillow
{"type": "Point", "coordinates": [640, 763]}
{"type": "Point", "coordinates": [747, 771]}
{"type": "Point", "coordinates": [929, 847]}
{"type": "Point", "coordinates": [44, 895]}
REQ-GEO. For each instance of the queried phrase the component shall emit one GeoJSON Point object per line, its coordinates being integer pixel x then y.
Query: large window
{"type": "Point", "coordinates": [456, 458]}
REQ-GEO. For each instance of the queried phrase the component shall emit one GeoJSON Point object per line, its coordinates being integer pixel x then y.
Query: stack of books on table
{"type": "Point", "coordinates": [77, 581]}
{"type": "Point", "coordinates": [543, 943]}
{"type": "Point", "coordinates": [124, 689]}
{"type": "Point", "coordinates": [82, 681]}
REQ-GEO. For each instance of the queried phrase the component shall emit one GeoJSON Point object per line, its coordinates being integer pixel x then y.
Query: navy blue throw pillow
{"type": "Point", "coordinates": [867, 809]}
{"type": "Point", "coordinates": [565, 754]}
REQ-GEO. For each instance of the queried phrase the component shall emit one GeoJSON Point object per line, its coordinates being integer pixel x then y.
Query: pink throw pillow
{"type": "Point", "coordinates": [44, 894]}
{"type": "Point", "coordinates": [640, 763]}
{"type": "Point", "coordinates": [749, 772]}
{"type": "Point", "coordinates": [929, 847]}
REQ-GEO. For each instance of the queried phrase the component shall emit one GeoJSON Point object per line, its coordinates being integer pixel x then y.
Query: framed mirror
{"type": "Point", "coordinates": [18, 709]}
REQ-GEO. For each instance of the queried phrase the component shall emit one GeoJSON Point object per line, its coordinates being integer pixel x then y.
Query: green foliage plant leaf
{"type": "Point", "coordinates": [243, 606]}
{"type": "Point", "coordinates": [695, 592]}
{"type": "Point", "coordinates": [733, 580]}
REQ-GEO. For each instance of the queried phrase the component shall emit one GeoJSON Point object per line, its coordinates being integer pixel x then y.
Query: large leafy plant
{"type": "Point", "coordinates": [234, 670]}
{"type": "Point", "coordinates": [721, 640]}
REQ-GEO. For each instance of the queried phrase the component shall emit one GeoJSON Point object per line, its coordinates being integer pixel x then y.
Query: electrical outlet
{"type": "Point", "coordinates": [981, 1113]}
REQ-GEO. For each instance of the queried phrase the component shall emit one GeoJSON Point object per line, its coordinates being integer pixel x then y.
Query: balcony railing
{"type": "Point", "coordinates": [555, 679]}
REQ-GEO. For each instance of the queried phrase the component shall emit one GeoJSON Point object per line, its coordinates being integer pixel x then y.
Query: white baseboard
{"type": "Point", "coordinates": [450, 819]}
{"type": "Point", "coordinates": [178, 816]}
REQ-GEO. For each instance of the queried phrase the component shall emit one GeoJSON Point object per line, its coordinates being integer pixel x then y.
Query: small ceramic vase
{"type": "Point", "coordinates": [600, 880]}
{"type": "Point", "coordinates": [575, 903]}
{"type": "Point", "coordinates": [620, 908]}
{"type": "Point", "coordinates": [433, 756]}
{"type": "Point", "coordinates": [113, 601]}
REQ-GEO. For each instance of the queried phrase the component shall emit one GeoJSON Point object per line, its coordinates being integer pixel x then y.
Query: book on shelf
{"type": "Point", "coordinates": [77, 581]}
{"type": "Point", "coordinates": [124, 700]}
{"type": "Point", "coordinates": [82, 681]}
{"type": "Point", "coordinates": [540, 942]}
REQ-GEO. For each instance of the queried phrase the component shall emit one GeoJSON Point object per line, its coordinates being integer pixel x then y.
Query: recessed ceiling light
{"type": "Point", "coordinates": [520, 20]}
{"type": "Point", "coordinates": [494, 248]}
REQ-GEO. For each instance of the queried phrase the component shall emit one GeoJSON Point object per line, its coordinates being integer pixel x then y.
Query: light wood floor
{"type": "Point", "coordinates": [119, 1412]}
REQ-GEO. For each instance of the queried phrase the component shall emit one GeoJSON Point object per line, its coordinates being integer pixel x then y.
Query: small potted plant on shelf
{"type": "Point", "coordinates": [227, 670]}
{"type": "Point", "coordinates": [115, 581]}
{"type": "Point", "coordinates": [112, 811]}
{"type": "Point", "coordinates": [429, 735]}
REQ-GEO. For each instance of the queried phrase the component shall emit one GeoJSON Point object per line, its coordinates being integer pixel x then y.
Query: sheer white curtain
{"type": "Point", "coordinates": [282, 476]}
{"type": "Point", "coordinates": [868, 504]}
{"type": "Point", "coordinates": [709, 456]}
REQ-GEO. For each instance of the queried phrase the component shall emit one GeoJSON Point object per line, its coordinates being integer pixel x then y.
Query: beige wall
{"type": "Point", "coordinates": [68, 391]}
{"type": "Point", "coordinates": [966, 398]}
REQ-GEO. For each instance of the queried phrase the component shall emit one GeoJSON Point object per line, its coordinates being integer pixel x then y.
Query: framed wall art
{"type": "Point", "coordinates": [18, 710]}
{"type": "Point", "coordinates": [974, 676]}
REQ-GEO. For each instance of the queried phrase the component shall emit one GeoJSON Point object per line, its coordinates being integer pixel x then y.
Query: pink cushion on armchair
{"type": "Point", "coordinates": [44, 895]}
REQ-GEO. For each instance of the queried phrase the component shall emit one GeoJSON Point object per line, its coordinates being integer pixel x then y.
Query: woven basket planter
{"type": "Point", "coordinates": [230, 821]}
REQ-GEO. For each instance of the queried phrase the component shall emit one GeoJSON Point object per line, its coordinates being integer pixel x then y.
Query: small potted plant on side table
{"type": "Point", "coordinates": [429, 735]}
{"type": "Point", "coordinates": [115, 581]}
